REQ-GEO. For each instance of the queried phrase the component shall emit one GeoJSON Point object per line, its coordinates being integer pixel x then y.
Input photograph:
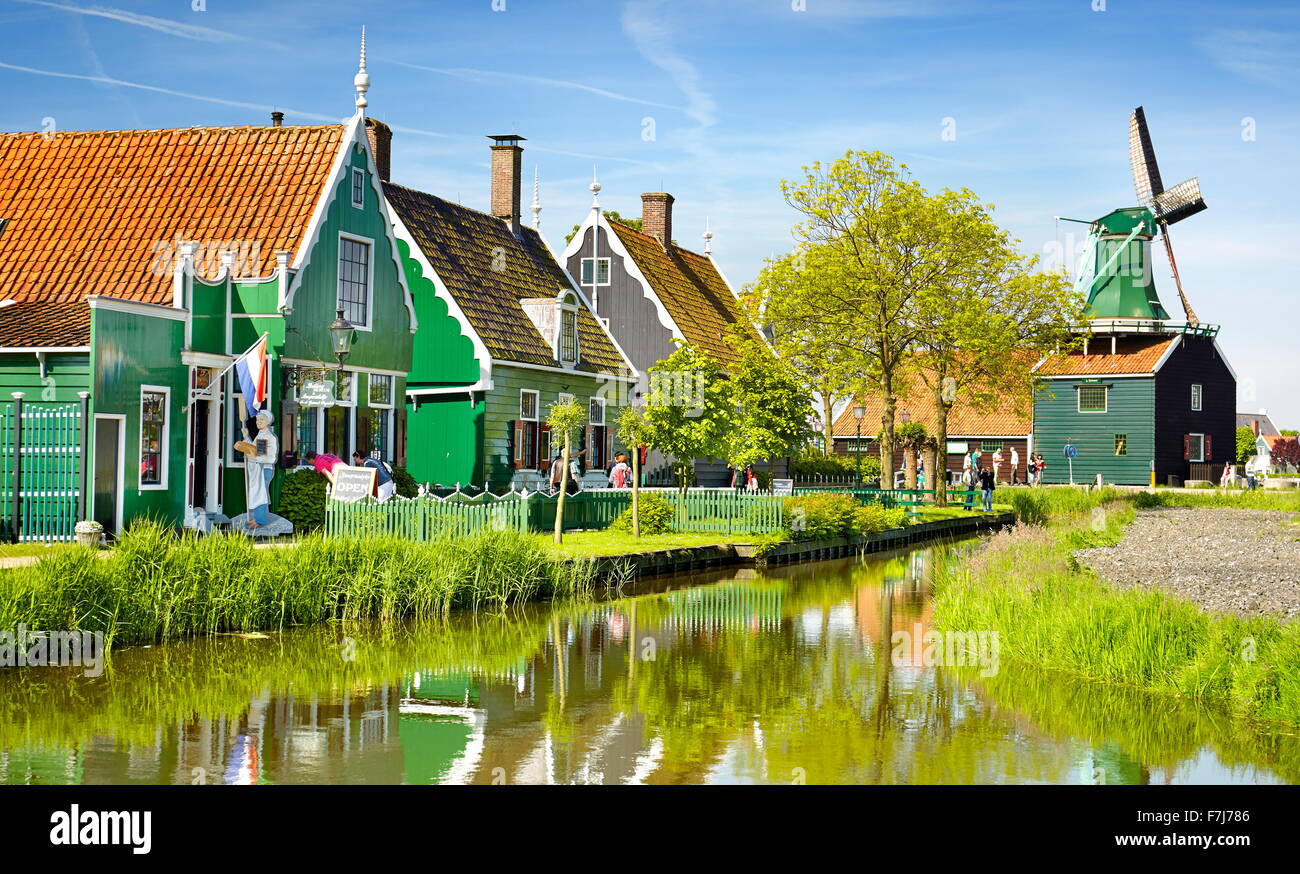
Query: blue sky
{"type": "Point", "coordinates": [743, 93]}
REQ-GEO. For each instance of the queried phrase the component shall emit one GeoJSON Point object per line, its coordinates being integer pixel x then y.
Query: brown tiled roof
{"type": "Point", "coordinates": [1132, 355]}
{"type": "Point", "coordinates": [1001, 418]}
{"type": "Point", "coordinates": [489, 270]}
{"type": "Point", "coordinates": [90, 212]}
{"type": "Point", "coordinates": [691, 289]}
{"type": "Point", "coordinates": [45, 323]}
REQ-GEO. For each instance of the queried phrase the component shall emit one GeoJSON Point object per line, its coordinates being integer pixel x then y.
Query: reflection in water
{"type": "Point", "coordinates": [729, 677]}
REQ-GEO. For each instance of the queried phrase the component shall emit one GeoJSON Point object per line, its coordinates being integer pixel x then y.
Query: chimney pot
{"type": "Point", "coordinates": [657, 216]}
{"type": "Point", "coordinates": [277, 119]}
{"type": "Point", "coordinates": [381, 146]}
{"type": "Point", "coordinates": [507, 164]}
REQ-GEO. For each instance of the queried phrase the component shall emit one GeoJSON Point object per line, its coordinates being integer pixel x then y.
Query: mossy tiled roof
{"type": "Point", "coordinates": [1132, 355]}
{"type": "Point", "coordinates": [691, 289]}
{"type": "Point", "coordinates": [99, 212]}
{"type": "Point", "coordinates": [489, 270]}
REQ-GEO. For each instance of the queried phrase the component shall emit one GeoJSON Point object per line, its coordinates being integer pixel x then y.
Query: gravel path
{"type": "Point", "coordinates": [1226, 560]}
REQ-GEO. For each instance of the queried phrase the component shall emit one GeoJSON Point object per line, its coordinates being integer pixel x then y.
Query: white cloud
{"type": "Point", "coordinates": [471, 74]}
{"type": "Point", "coordinates": [162, 25]}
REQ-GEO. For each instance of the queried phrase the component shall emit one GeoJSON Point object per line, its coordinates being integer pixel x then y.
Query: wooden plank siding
{"type": "Point", "coordinates": [1130, 411]}
{"type": "Point", "coordinates": [1195, 361]}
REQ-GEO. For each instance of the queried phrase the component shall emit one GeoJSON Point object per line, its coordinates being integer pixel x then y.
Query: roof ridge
{"type": "Point", "coordinates": [72, 134]}
{"type": "Point", "coordinates": [671, 247]}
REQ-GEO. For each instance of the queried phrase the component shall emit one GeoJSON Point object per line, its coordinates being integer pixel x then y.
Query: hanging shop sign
{"type": "Point", "coordinates": [316, 393]}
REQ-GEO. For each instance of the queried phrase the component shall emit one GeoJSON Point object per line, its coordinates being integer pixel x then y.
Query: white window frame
{"type": "Point", "coordinates": [595, 271]}
{"type": "Point", "coordinates": [1198, 397]}
{"type": "Point", "coordinates": [358, 174]}
{"type": "Point", "coordinates": [370, 277]}
{"type": "Point", "coordinates": [392, 382]}
{"type": "Point", "coordinates": [565, 396]}
{"type": "Point", "coordinates": [591, 404]}
{"type": "Point", "coordinates": [319, 413]}
{"type": "Point", "coordinates": [164, 453]}
{"type": "Point", "coordinates": [1198, 456]}
{"type": "Point", "coordinates": [1078, 399]}
{"type": "Point", "coordinates": [568, 304]}
{"type": "Point", "coordinates": [537, 405]}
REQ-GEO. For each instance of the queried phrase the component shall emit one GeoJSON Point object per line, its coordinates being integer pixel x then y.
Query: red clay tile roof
{"type": "Point", "coordinates": [1003, 418]}
{"type": "Point", "coordinates": [489, 270]}
{"type": "Point", "coordinates": [691, 288]}
{"type": "Point", "coordinates": [1132, 355]}
{"type": "Point", "coordinates": [90, 212]}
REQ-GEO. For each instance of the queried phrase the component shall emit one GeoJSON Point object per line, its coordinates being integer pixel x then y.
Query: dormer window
{"type": "Point", "coordinates": [568, 339]}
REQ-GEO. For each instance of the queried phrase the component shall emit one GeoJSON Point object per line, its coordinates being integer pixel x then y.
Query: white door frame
{"type": "Point", "coordinates": [120, 418]}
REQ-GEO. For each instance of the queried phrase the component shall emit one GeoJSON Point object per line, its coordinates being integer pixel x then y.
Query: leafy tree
{"type": "Point", "coordinates": [1245, 445]}
{"type": "Point", "coordinates": [689, 409]}
{"type": "Point", "coordinates": [1288, 432]}
{"type": "Point", "coordinates": [1286, 451]}
{"type": "Point", "coordinates": [771, 402]}
{"type": "Point", "coordinates": [564, 419]}
{"type": "Point", "coordinates": [634, 431]}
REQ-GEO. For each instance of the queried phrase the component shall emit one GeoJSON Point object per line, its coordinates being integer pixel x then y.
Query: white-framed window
{"type": "Point", "coordinates": [358, 188]}
{"type": "Point", "coordinates": [1093, 398]}
{"type": "Point", "coordinates": [565, 397]}
{"type": "Point", "coordinates": [1195, 447]}
{"type": "Point", "coordinates": [356, 275]}
{"type": "Point", "coordinates": [380, 389]}
{"type": "Point", "coordinates": [596, 411]}
{"type": "Point", "coordinates": [307, 426]}
{"type": "Point", "coordinates": [1196, 396]}
{"type": "Point", "coordinates": [527, 434]}
{"type": "Point", "coordinates": [595, 271]}
{"type": "Point", "coordinates": [155, 419]}
{"type": "Point", "coordinates": [528, 404]}
{"type": "Point", "coordinates": [990, 446]}
{"type": "Point", "coordinates": [567, 341]}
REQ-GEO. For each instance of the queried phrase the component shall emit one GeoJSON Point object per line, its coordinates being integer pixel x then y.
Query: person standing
{"type": "Point", "coordinates": [988, 481]}
{"type": "Point", "coordinates": [998, 458]}
{"type": "Point", "coordinates": [1042, 467]}
{"type": "Point", "coordinates": [1031, 468]}
{"type": "Point", "coordinates": [620, 472]}
{"type": "Point", "coordinates": [557, 472]}
{"type": "Point", "coordinates": [574, 484]}
{"type": "Point", "coordinates": [384, 484]}
{"type": "Point", "coordinates": [1015, 465]}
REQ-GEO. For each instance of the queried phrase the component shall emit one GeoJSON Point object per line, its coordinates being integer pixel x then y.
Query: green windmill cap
{"type": "Point", "coordinates": [1123, 286]}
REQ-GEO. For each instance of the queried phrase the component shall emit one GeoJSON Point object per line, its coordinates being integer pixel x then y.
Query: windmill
{"type": "Point", "coordinates": [1168, 206]}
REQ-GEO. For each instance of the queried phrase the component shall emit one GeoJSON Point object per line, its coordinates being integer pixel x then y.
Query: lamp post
{"type": "Point", "coordinates": [341, 334]}
{"type": "Point", "coordinates": [859, 413]}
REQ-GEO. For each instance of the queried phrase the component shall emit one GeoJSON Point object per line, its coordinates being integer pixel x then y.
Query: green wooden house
{"type": "Point", "coordinates": [1142, 398]}
{"type": "Point", "coordinates": [505, 333]}
{"type": "Point", "coordinates": [136, 265]}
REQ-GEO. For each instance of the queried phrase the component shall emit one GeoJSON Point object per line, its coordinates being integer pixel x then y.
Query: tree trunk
{"type": "Point", "coordinates": [887, 431]}
{"type": "Point", "coordinates": [564, 488]}
{"type": "Point", "coordinates": [909, 467]}
{"type": "Point", "coordinates": [828, 424]}
{"type": "Point", "coordinates": [940, 470]}
{"type": "Point", "coordinates": [636, 491]}
{"type": "Point", "coordinates": [935, 478]}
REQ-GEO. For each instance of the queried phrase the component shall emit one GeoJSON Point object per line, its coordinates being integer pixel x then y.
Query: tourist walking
{"type": "Point", "coordinates": [620, 473]}
{"type": "Point", "coordinates": [1015, 466]}
{"type": "Point", "coordinates": [1041, 464]}
{"type": "Point", "coordinates": [988, 482]}
{"type": "Point", "coordinates": [971, 479]}
{"type": "Point", "coordinates": [384, 484]}
{"type": "Point", "coordinates": [557, 472]}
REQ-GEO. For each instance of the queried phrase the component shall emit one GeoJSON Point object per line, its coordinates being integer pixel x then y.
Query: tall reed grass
{"type": "Point", "coordinates": [161, 585]}
{"type": "Point", "coordinates": [1051, 612]}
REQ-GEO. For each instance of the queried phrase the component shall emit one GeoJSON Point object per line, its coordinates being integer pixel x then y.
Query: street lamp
{"type": "Point", "coordinates": [859, 413]}
{"type": "Point", "coordinates": [341, 334]}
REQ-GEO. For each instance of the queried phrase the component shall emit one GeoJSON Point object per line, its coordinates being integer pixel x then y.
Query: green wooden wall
{"type": "Point", "coordinates": [1130, 410]}
{"type": "Point", "coordinates": [445, 438]}
{"type": "Point", "coordinates": [66, 373]}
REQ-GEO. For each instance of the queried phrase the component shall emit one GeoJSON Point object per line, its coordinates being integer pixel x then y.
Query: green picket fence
{"type": "Point", "coordinates": [50, 466]}
{"type": "Point", "coordinates": [897, 497]}
{"type": "Point", "coordinates": [721, 511]}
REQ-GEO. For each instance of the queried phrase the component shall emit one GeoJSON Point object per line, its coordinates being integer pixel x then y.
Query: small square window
{"type": "Point", "coordinates": [1196, 396]}
{"type": "Point", "coordinates": [1196, 447]}
{"type": "Point", "coordinates": [1121, 444]}
{"type": "Point", "coordinates": [1092, 398]}
{"type": "Point", "coordinates": [381, 390]}
{"type": "Point", "coordinates": [990, 446]}
{"type": "Point", "coordinates": [597, 266]}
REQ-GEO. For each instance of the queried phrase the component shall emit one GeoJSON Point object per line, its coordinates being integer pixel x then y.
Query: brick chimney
{"type": "Point", "coordinates": [1254, 426]}
{"type": "Point", "coordinates": [381, 146]}
{"type": "Point", "coordinates": [657, 216]}
{"type": "Point", "coordinates": [277, 119]}
{"type": "Point", "coordinates": [507, 161]}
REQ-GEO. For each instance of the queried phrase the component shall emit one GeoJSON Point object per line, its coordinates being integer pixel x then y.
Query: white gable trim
{"type": "Point", "coordinates": [1177, 341]}
{"type": "Point", "coordinates": [355, 134]}
{"type": "Point", "coordinates": [582, 296]}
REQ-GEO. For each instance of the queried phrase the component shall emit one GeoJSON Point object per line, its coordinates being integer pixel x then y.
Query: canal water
{"type": "Point", "coordinates": [807, 673]}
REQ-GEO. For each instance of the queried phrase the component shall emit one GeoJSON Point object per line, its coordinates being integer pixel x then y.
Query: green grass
{"type": "Point", "coordinates": [579, 544]}
{"type": "Point", "coordinates": [159, 585]}
{"type": "Point", "coordinates": [40, 550]}
{"type": "Point", "coordinates": [1051, 613]}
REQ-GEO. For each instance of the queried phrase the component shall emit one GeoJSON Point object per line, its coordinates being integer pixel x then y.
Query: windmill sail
{"type": "Point", "coordinates": [1169, 207]}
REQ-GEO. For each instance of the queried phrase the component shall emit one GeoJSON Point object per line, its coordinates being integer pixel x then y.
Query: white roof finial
{"type": "Point", "coordinates": [708, 237]}
{"type": "Point", "coordinates": [362, 80]}
{"type": "Point", "coordinates": [594, 187]}
{"type": "Point", "coordinates": [537, 202]}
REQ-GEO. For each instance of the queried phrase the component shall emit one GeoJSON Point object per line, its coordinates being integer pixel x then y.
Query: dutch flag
{"type": "Point", "coordinates": [251, 371]}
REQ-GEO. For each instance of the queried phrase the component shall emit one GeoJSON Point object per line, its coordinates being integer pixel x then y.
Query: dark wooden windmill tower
{"type": "Point", "coordinates": [1145, 398]}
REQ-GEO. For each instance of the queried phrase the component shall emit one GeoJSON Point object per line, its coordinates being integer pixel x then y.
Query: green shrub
{"type": "Point", "coordinates": [655, 512]}
{"type": "Point", "coordinates": [302, 500]}
{"type": "Point", "coordinates": [407, 487]}
{"type": "Point", "coordinates": [820, 516]}
{"type": "Point", "coordinates": [874, 518]}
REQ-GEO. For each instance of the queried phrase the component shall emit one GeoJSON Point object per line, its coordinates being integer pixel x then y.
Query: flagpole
{"type": "Point", "coordinates": [216, 380]}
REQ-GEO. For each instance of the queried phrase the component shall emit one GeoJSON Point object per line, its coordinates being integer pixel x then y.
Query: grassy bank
{"type": "Point", "coordinates": [1050, 612]}
{"type": "Point", "coordinates": [159, 585]}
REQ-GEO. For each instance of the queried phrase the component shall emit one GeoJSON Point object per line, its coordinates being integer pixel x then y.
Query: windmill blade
{"type": "Point", "coordinates": [1142, 157]}
{"type": "Point", "coordinates": [1179, 202]}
